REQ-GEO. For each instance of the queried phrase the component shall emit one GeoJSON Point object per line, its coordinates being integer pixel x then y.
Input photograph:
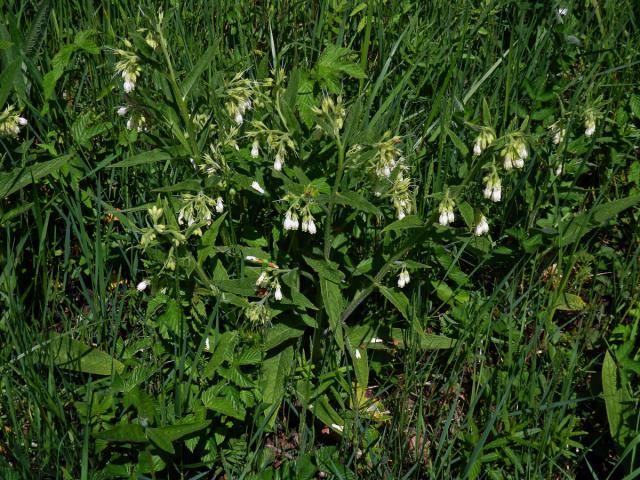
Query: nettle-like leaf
{"type": "Point", "coordinates": [334, 63]}
{"type": "Point", "coordinates": [61, 60]}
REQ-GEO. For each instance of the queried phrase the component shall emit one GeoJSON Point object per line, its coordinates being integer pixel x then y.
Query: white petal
{"type": "Point", "coordinates": [312, 227]}
{"type": "Point", "coordinates": [256, 186]}
{"type": "Point", "coordinates": [122, 111]}
{"type": "Point", "coordinates": [22, 121]}
{"type": "Point", "coordinates": [142, 286]}
{"type": "Point", "coordinates": [477, 150]}
{"type": "Point", "coordinates": [523, 151]}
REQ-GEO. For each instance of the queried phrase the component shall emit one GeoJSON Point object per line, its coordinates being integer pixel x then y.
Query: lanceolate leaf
{"type": "Point", "coordinates": [397, 298]}
{"type": "Point", "coordinates": [75, 355]}
{"type": "Point", "coordinates": [581, 224]}
{"type": "Point", "coordinates": [617, 400]}
{"type": "Point", "coordinates": [272, 380]}
{"type": "Point", "coordinates": [22, 177]}
{"type": "Point", "coordinates": [334, 305]}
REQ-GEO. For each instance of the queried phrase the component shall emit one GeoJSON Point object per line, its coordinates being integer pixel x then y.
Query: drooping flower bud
{"type": "Point", "coordinates": [255, 149]}
{"type": "Point", "coordinates": [481, 227]}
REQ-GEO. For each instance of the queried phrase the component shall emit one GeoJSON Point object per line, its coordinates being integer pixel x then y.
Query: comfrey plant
{"type": "Point", "coordinates": [295, 211]}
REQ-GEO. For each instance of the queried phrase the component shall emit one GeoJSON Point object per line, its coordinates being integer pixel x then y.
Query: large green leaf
{"type": "Point", "coordinates": [410, 221]}
{"type": "Point", "coordinates": [334, 63]}
{"type": "Point", "coordinates": [328, 270]}
{"type": "Point", "coordinates": [164, 436]}
{"type": "Point", "coordinates": [357, 201]}
{"type": "Point", "coordinates": [204, 62]}
{"type": "Point", "coordinates": [280, 333]}
{"type": "Point", "coordinates": [274, 373]}
{"type": "Point", "coordinates": [74, 355]}
{"type": "Point", "coordinates": [222, 405]}
{"type": "Point", "coordinates": [61, 61]}
{"type": "Point", "coordinates": [21, 177]}
{"type": "Point", "coordinates": [322, 409]}
{"type": "Point", "coordinates": [424, 341]}
{"type": "Point", "coordinates": [397, 298]}
{"type": "Point", "coordinates": [617, 400]}
{"type": "Point", "coordinates": [578, 226]}
{"type": "Point", "coordinates": [152, 156]}
{"type": "Point", "coordinates": [334, 306]}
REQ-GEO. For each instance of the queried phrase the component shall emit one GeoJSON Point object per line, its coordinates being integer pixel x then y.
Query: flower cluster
{"type": "Point", "coordinates": [258, 312]}
{"type": "Point", "coordinates": [292, 219]}
{"type": "Point", "coordinates": [198, 209]}
{"type": "Point", "coordinates": [493, 186]}
{"type": "Point", "coordinates": [150, 234]}
{"type": "Point", "coordinates": [402, 195]}
{"type": "Point", "coordinates": [403, 278]}
{"type": "Point", "coordinates": [515, 152]}
{"type": "Point", "coordinates": [387, 157]}
{"type": "Point", "coordinates": [590, 122]}
{"type": "Point", "coordinates": [484, 140]}
{"type": "Point", "coordinates": [446, 210]}
{"type": "Point", "coordinates": [277, 141]}
{"type": "Point", "coordinates": [332, 113]}
{"type": "Point", "coordinates": [266, 282]}
{"type": "Point", "coordinates": [558, 133]}
{"type": "Point", "coordinates": [128, 67]}
{"type": "Point", "coordinates": [136, 121]}
{"type": "Point", "coordinates": [240, 92]}
{"type": "Point", "coordinates": [11, 122]}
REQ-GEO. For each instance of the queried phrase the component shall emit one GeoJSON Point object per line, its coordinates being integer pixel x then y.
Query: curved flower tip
{"type": "Point", "coordinates": [256, 186]}
{"type": "Point", "coordinates": [278, 293]}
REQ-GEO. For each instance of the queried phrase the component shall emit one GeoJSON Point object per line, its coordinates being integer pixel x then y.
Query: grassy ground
{"type": "Point", "coordinates": [161, 317]}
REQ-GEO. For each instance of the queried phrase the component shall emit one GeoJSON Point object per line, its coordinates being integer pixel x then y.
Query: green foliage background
{"type": "Point", "coordinates": [512, 355]}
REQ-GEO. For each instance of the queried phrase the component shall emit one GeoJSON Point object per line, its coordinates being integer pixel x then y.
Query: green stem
{"type": "Point", "coordinates": [334, 193]}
